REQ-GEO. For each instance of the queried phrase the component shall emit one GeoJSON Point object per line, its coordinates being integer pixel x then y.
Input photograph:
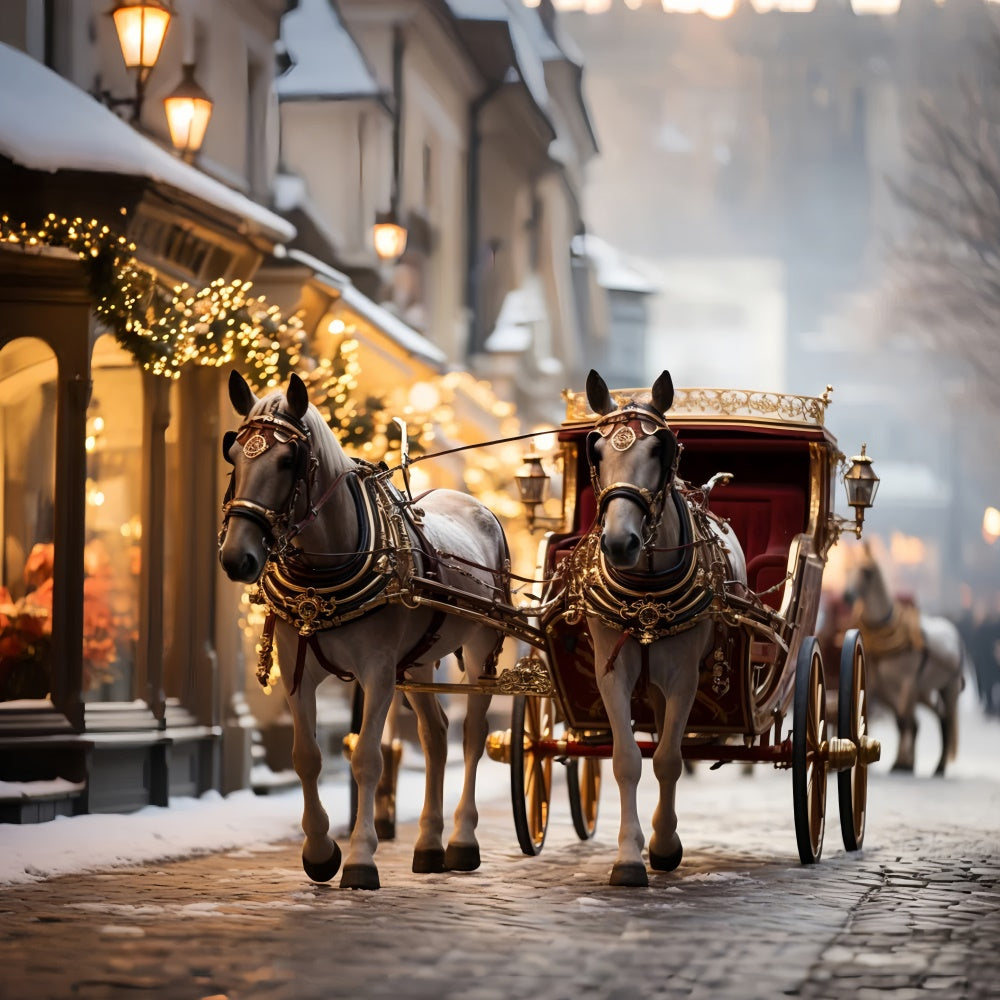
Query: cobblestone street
{"type": "Point", "coordinates": [915, 914]}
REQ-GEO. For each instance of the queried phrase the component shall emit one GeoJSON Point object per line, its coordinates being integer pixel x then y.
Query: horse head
{"type": "Point", "coordinates": [865, 585]}
{"type": "Point", "coordinates": [271, 455]}
{"type": "Point", "coordinates": [633, 457]}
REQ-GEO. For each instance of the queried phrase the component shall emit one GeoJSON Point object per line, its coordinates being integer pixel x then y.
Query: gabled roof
{"type": "Point", "coordinates": [326, 62]}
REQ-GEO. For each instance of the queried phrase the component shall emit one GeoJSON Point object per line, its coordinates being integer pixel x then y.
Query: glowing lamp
{"type": "Point", "coordinates": [388, 236]}
{"type": "Point", "coordinates": [188, 110]}
{"type": "Point", "coordinates": [141, 29]}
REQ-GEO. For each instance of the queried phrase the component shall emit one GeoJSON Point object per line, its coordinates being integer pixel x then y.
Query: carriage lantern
{"type": "Point", "coordinates": [532, 484]}
{"type": "Point", "coordinates": [861, 484]}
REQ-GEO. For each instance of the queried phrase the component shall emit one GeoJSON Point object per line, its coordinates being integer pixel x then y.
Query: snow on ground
{"type": "Point", "coordinates": [210, 823]}
{"type": "Point", "coordinates": [247, 821]}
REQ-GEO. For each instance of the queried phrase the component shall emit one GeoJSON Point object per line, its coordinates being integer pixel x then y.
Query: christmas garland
{"type": "Point", "coordinates": [166, 330]}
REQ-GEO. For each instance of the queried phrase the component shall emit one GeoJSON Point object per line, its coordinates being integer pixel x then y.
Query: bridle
{"type": "Point", "coordinates": [621, 429]}
{"type": "Point", "coordinates": [257, 435]}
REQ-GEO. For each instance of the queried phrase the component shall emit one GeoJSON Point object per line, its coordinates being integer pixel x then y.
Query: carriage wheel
{"type": "Point", "coordinates": [530, 775]}
{"type": "Point", "coordinates": [852, 724]}
{"type": "Point", "coordinates": [808, 761]}
{"type": "Point", "coordinates": [583, 776]}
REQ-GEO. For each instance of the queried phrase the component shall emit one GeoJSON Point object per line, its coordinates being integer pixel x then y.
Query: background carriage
{"type": "Point", "coordinates": [781, 464]}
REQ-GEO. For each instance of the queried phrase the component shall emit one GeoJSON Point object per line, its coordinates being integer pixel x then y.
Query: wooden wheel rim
{"type": "Point", "coordinates": [808, 752]}
{"type": "Point", "coordinates": [852, 719]}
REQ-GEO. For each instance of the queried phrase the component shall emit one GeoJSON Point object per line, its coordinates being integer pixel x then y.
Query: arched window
{"type": "Point", "coordinates": [28, 404]}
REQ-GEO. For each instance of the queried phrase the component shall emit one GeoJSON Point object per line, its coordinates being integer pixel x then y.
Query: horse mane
{"type": "Point", "coordinates": [325, 446]}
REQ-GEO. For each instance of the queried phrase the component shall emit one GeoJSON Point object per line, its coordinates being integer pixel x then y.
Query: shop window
{"type": "Point", "coordinates": [113, 525]}
{"type": "Point", "coordinates": [28, 402]}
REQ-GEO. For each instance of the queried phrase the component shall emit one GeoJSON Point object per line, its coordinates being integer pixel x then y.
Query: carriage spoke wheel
{"type": "Point", "coordinates": [852, 724]}
{"type": "Point", "coordinates": [583, 777]}
{"type": "Point", "coordinates": [530, 774]}
{"type": "Point", "coordinates": [808, 752]}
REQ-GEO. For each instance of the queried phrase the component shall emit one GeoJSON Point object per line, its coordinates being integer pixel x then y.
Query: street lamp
{"type": "Point", "coordinates": [188, 110]}
{"type": "Point", "coordinates": [532, 485]}
{"type": "Point", "coordinates": [388, 233]}
{"type": "Point", "coordinates": [141, 26]}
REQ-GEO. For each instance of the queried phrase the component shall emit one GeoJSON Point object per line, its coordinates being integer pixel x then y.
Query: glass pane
{"type": "Point", "coordinates": [28, 403]}
{"type": "Point", "coordinates": [113, 528]}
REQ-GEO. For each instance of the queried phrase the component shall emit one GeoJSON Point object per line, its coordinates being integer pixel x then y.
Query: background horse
{"type": "Point", "coordinates": [652, 551]}
{"type": "Point", "coordinates": [914, 659]}
{"type": "Point", "coordinates": [301, 512]}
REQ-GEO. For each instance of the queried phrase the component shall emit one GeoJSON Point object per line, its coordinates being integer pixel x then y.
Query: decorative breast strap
{"type": "Point", "coordinates": [651, 606]}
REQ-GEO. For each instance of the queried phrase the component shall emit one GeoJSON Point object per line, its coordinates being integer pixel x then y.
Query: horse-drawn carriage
{"type": "Point", "coordinates": [668, 620]}
{"type": "Point", "coordinates": [768, 465]}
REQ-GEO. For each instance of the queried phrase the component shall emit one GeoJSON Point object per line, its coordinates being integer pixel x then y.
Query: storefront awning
{"type": "Point", "coordinates": [48, 124]}
{"type": "Point", "coordinates": [403, 335]}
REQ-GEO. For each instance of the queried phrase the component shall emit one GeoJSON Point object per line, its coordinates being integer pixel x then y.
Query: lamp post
{"type": "Point", "coordinates": [141, 26]}
{"type": "Point", "coordinates": [188, 110]}
{"type": "Point", "coordinates": [388, 233]}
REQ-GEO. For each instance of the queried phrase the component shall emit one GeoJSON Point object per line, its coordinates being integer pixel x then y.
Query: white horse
{"type": "Point", "coordinates": [335, 550]}
{"type": "Point", "coordinates": [651, 591]}
{"type": "Point", "coordinates": [914, 659]}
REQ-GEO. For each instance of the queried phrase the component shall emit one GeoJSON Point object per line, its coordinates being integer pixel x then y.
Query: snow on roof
{"type": "Point", "coordinates": [325, 60]}
{"type": "Point", "coordinates": [614, 271]}
{"type": "Point", "coordinates": [53, 125]}
{"type": "Point", "coordinates": [529, 60]}
{"type": "Point", "coordinates": [392, 326]}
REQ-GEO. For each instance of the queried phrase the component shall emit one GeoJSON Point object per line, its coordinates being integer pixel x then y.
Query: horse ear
{"type": "Point", "coordinates": [297, 397]}
{"type": "Point", "coordinates": [598, 397]}
{"type": "Point", "coordinates": [240, 394]}
{"type": "Point", "coordinates": [663, 392]}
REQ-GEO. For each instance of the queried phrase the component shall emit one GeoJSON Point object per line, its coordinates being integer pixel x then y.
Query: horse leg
{"type": "Point", "coordinates": [360, 871]}
{"type": "Point", "coordinates": [320, 854]}
{"type": "Point", "coordinates": [616, 686]}
{"type": "Point", "coordinates": [665, 849]}
{"type": "Point", "coordinates": [432, 729]}
{"type": "Point", "coordinates": [463, 848]}
{"type": "Point", "coordinates": [948, 716]}
{"type": "Point", "coordinates": [385, 793]}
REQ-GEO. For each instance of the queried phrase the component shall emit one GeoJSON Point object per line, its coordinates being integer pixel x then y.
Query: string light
{"type": "Point", "coordinates": [163, 329]}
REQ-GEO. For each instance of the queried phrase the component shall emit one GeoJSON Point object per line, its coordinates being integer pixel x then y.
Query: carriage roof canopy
{"type": "Point", "coordinates": [745, 406]}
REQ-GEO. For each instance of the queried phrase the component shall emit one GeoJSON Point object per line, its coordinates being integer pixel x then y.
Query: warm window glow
{"type": "Point", "coordinates": [141, 28]}
{"type": "Point", "coordinates": [991, 524]}
{"type": "Point", "coordinates": [907, 550]}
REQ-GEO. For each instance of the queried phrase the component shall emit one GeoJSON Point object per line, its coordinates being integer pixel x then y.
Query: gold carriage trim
{"type": "Point", "coordinates": [719, 404]}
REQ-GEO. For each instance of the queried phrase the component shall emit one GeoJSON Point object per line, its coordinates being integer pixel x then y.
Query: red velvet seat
{"type": "Point", "coordinates": [765, 520]}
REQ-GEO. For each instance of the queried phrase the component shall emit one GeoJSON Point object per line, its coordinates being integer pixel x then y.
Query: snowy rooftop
{"type": "Point", "coordinates": [614, 271]}
{"type": "Point", "coordinates": [325, 60]}
{"type": "Point", "coordinates": [53, 125]}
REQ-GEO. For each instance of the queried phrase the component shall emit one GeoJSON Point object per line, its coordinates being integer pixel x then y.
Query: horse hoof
{"type": "Point", "coordinates": [902, 768]}
{"type": "Point", "coordinates": [630, 873]}
{"type": "Point", "coordinates": [428, 861]}
{"type": "Point", "coordinates": [385, 829]}
{"type": "Point", "coordinates": [322, 871]}
{"type": "Point", "coordinates": [666, 862]}
{"type": "Point", "coordinates": [461, 858]}
{"type": "Point", "coordinates": [359, 877]}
